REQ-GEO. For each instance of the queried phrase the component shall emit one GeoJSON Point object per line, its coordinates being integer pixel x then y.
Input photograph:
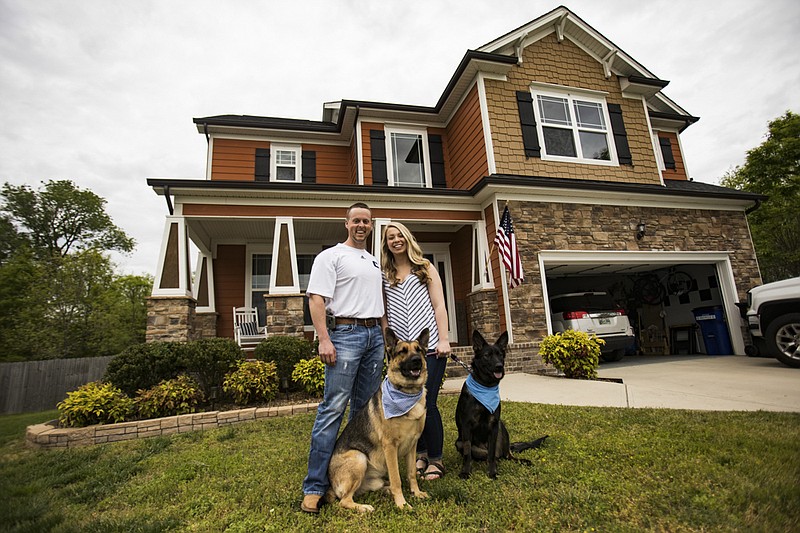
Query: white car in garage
{"type": "Point", "coordinates": [594, 313]}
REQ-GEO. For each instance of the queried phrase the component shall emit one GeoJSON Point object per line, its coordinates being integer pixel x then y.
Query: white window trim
{"type": "Point", "coordinates": [426, 161]}
{"type": "Point", "coordinates": [273, 161]}
{"type": "Point", "coordinates": [571, 95]}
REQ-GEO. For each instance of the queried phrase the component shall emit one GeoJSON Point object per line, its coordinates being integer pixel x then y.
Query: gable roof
{"type": "Point", "coordinates": [495, 57]}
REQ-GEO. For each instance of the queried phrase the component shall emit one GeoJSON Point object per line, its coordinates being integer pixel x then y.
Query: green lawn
{"type": "Point", "coordinates": [602, 469]}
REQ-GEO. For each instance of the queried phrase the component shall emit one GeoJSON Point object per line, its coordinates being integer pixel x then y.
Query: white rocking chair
{"type": "Point", "coordinates": [246, 330]}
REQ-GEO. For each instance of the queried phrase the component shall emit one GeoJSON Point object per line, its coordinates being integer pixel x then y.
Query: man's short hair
{"type": "Point", "coordinates": [358, 205]}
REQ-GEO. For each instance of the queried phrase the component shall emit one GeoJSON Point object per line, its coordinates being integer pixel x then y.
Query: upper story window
{"type": "Point", "coordinates": [285, 162]}
{"type": "Point", "coordinates": [407, 158]}
{"type": "Point", "coordinates": [574, 127]}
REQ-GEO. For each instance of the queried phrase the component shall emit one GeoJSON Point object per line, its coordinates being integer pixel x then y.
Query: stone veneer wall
{"type": "Point", "coordinates": [554, 226]}
{"type": "Point", "coordinates": [205, 325]}
{"type": "Point", "coordinates": [49, 435]}
{"type": "Point", "coordinates": [170, 318]}
{"type": "Point", "coordinates": [285, 314]}
{"type": "Point", "coordinates": [483, 314]}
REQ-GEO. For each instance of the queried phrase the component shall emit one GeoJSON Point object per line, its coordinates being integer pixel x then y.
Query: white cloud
{"type": "Point", "coordinates": [103, 92]}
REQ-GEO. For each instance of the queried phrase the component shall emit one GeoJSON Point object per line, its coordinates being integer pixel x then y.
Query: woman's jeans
{"type": "Point", "coordinates": [355, 377]}
{"type": "Point", "coordinates": [432, 439]}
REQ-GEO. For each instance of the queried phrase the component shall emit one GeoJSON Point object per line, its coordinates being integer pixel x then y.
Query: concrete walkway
{"type": "Point", "coordinates": [699, 382]}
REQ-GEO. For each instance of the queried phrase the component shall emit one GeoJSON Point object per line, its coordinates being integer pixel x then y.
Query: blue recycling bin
{"type": "Point", "coordinates": [714, 330]}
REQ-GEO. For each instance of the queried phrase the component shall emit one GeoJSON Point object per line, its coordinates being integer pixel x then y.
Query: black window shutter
{"type": "Point", "coordinates": [309, 166]}
{"type": "Point", "coordinates": [262, 164]}
{"type": "Point", "coordinates": [438, 179]}
{"type": "Point", "coordinates": [527, 121]}
{"type": "Point", "coordinates": [377, 142]}
{"type": "Point", "coordinates": [620, 135]}
{"type": "Point", "coordinates": [666, 152]}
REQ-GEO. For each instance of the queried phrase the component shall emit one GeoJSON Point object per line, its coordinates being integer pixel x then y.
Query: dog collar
{"type": "Point", "coordinates": [488, 396]}
{"type": "Point", "coordinates": [396, 402]}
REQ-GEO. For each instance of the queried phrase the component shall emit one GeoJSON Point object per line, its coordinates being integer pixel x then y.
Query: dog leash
{"type": "Point", "coordinates": [460, 362]}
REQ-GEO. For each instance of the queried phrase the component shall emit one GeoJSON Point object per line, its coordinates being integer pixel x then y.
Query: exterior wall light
{"type": "Point", "coordinates": [640, 231]}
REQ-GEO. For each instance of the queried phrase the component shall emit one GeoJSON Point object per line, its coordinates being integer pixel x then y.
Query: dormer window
{"type": "Point", "coordinates": [285, 162]}
{"type": "Point", "coordinates": [573, 126]}
{"type": "Point", "coordinates": [407, 159]}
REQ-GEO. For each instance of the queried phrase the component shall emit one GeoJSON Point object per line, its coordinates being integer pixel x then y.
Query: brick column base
{"type": "Point", "coordinates": [285, 314]}
{"type": "Point", "coordinates": [205, 325]}
{"type": "Point", "coordinates": [483, 314]}
{"type": "Point", "coordinates": [170, 318]}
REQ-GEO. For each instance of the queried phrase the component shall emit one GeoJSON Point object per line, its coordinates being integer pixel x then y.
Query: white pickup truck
{"type": "Point", "coordinates": [772, 311]}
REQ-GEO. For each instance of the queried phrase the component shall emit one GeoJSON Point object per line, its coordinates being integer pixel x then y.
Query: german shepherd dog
{"type": "Point", "coordinates": [371, 445]}
{"type": "Point", "coordinates": [481, 433]}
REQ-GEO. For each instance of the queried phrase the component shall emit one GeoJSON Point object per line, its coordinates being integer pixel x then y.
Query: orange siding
{"type": "Point", "coordinates": [235, 160]}
{"type": "Point", "coordinates": [367, 156]}
{"type": "Point", "coordinates": [229, 269]}
{"type": "Point", "coordinates": [333, 163]}
{"type": "Point", "coordinates": [466, 147]}
{"type": "Point", "coordinates": [679, 173]}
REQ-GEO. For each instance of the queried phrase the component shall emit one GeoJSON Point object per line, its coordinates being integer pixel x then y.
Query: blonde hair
{"type": "Point", "coordinates": [419, 265]}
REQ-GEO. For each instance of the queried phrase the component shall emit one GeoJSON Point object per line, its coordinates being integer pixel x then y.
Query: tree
{"type": "Point", "coordinates": [773, 169]}
{"type": "Point", "coordinates": [61, 218]}
{"type": "Point", "coordinates": [59, 295]}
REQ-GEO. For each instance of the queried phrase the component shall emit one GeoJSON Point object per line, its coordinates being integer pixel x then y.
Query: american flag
{"type": "Point", "coordinates": [506, 243]}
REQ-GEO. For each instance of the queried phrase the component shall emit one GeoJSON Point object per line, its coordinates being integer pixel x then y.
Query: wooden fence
{"type": "Point", "coordinates": [32, 386]}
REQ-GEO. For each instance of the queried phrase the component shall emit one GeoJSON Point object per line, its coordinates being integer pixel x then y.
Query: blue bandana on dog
{"type": "Point", "coordinates": [397, 402]}
{"type": "Point", "coordinates": [488, 396]}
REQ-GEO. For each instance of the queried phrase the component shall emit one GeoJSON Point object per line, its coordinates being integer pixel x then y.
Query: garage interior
{"type": "Point", "coordinates": [674, 309]}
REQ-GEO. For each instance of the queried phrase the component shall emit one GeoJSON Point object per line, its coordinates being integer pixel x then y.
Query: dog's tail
{"type": "Point", "coordinates": [517, 447]}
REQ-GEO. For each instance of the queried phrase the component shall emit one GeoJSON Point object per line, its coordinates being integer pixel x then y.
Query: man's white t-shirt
{"type": "Point", "coordinates": [350, 281]}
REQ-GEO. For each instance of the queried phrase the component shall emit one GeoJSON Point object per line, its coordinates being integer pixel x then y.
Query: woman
{"type": "Point", "coordinates": [415, 301]}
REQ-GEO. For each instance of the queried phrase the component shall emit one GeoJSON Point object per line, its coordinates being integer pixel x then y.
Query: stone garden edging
{"type": "Point", "coordinates": [49, 435]}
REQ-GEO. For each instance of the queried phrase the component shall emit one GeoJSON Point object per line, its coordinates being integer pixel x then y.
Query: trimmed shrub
{"type": "Point", "coordinates": [95, 403]}
{"type": "Point", "coordinates": [310, 374]}
{"type": "Point", "coordinates": [209, 360]}
{"type": "Point", "coordinates": [172, 397]}
{"type": "Point", "coordinates": [285, 351]}
{"type": "Point", "coordinates": [252, 381]}
{"type": "Point", "coordinates": [575, 353]}
{"type": "Point", "coordinates": [143, 366]}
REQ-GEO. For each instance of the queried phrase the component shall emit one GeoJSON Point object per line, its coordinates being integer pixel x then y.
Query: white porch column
{"type": "Point", "coordinates": [203, 285]}
{"type": "Point", "coordinates": [284, 278]}
{"type": "Point", "coordinates": [172, 274]}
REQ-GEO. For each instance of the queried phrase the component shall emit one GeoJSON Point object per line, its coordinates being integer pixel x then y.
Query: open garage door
{"type": "Point", "coordinates": [677, 302]}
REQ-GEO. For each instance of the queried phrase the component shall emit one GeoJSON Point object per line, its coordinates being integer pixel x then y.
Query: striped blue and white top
{"type": "Point", "coordinates": [409, 310]}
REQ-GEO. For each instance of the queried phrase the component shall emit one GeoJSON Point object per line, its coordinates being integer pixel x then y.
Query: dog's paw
{"type": "Point", "coordinates": [463, 475]}
{"type": "Point", "coordinates": [364, 508]}
{"type": "Point", "coordinates": [420, 494]}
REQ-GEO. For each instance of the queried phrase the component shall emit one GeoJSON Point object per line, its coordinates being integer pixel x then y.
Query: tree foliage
{"type": "Point", "coordinates": [59, 295]}
{"type": "Point", "coordinates": [773, 169]}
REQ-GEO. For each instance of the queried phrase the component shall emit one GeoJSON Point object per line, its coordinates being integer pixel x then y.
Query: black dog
{"type": "Point", "coordinates": [481, 434]}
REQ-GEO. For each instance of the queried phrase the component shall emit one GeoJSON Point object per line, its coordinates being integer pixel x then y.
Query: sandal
{"type": "Point", "coordinates": [434, 471]}
{"type": "Point", "coordinates": [421, 469]}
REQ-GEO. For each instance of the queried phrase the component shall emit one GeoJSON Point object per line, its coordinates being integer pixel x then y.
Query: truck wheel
{"type": "Point", "coordinates": [610, 357]}
{"type": "Point", "coordinates": [783, 339]}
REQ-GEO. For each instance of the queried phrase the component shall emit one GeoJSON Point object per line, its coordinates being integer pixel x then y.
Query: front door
{"type": "Point", "coordinates": [439, 256]}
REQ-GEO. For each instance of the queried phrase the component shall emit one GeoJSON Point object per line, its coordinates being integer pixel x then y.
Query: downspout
{"type": "Point", "coordinates": [205, 130]}
{"type": "Point", "coordinates": [169, 200]}
{"type": "Point", "coordinates": [752, 207]}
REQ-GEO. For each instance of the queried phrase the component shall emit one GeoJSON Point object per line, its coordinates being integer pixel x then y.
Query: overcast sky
{"type": "Point", "coordinates": [103, 92]}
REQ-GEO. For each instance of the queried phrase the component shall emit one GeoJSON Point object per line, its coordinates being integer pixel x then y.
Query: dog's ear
{"type": "Point", "coordinates": [478, 342]}
{"type": "Point", "coordinates": [502, 341]}
{"type": "Point", "coordinates": [390, 340]}
{"type": "Point", "coordinates": [423, 339]}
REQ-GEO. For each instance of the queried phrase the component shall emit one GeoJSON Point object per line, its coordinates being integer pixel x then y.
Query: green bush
{"type": "Point", "coordinates": [209, 360]}
{"type": "Point", "coordinates": [145, 365]}
{"type": "Point", "coordinates": [310, 374]}
{"type": "Point", "coordinates": [285, 351]}
{"type": "Point", "coordinates": [252, 381]}
{"type": "Point", "coordinates": [575, 353]}
{"type": "Point", "coordinates": [171, 397]}
{"type": "Point", "coordinates": [95, 403]}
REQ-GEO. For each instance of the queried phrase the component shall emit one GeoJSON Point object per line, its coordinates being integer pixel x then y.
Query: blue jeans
{"type": "Point", "coordinates": [432, 440]}
{"type": "Point", "coordinates": [355, 377]}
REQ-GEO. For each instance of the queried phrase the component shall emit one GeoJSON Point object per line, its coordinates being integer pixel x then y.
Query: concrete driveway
{"type": "Point", "coordinates": [709, 383]}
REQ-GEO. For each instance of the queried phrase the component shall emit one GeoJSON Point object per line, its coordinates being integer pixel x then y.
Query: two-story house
{"type": "Point", "coordinates": [552, 119]}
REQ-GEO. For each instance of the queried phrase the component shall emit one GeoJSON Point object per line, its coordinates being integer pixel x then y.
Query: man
{"type": "Point", "coordinates": [346, 303]}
